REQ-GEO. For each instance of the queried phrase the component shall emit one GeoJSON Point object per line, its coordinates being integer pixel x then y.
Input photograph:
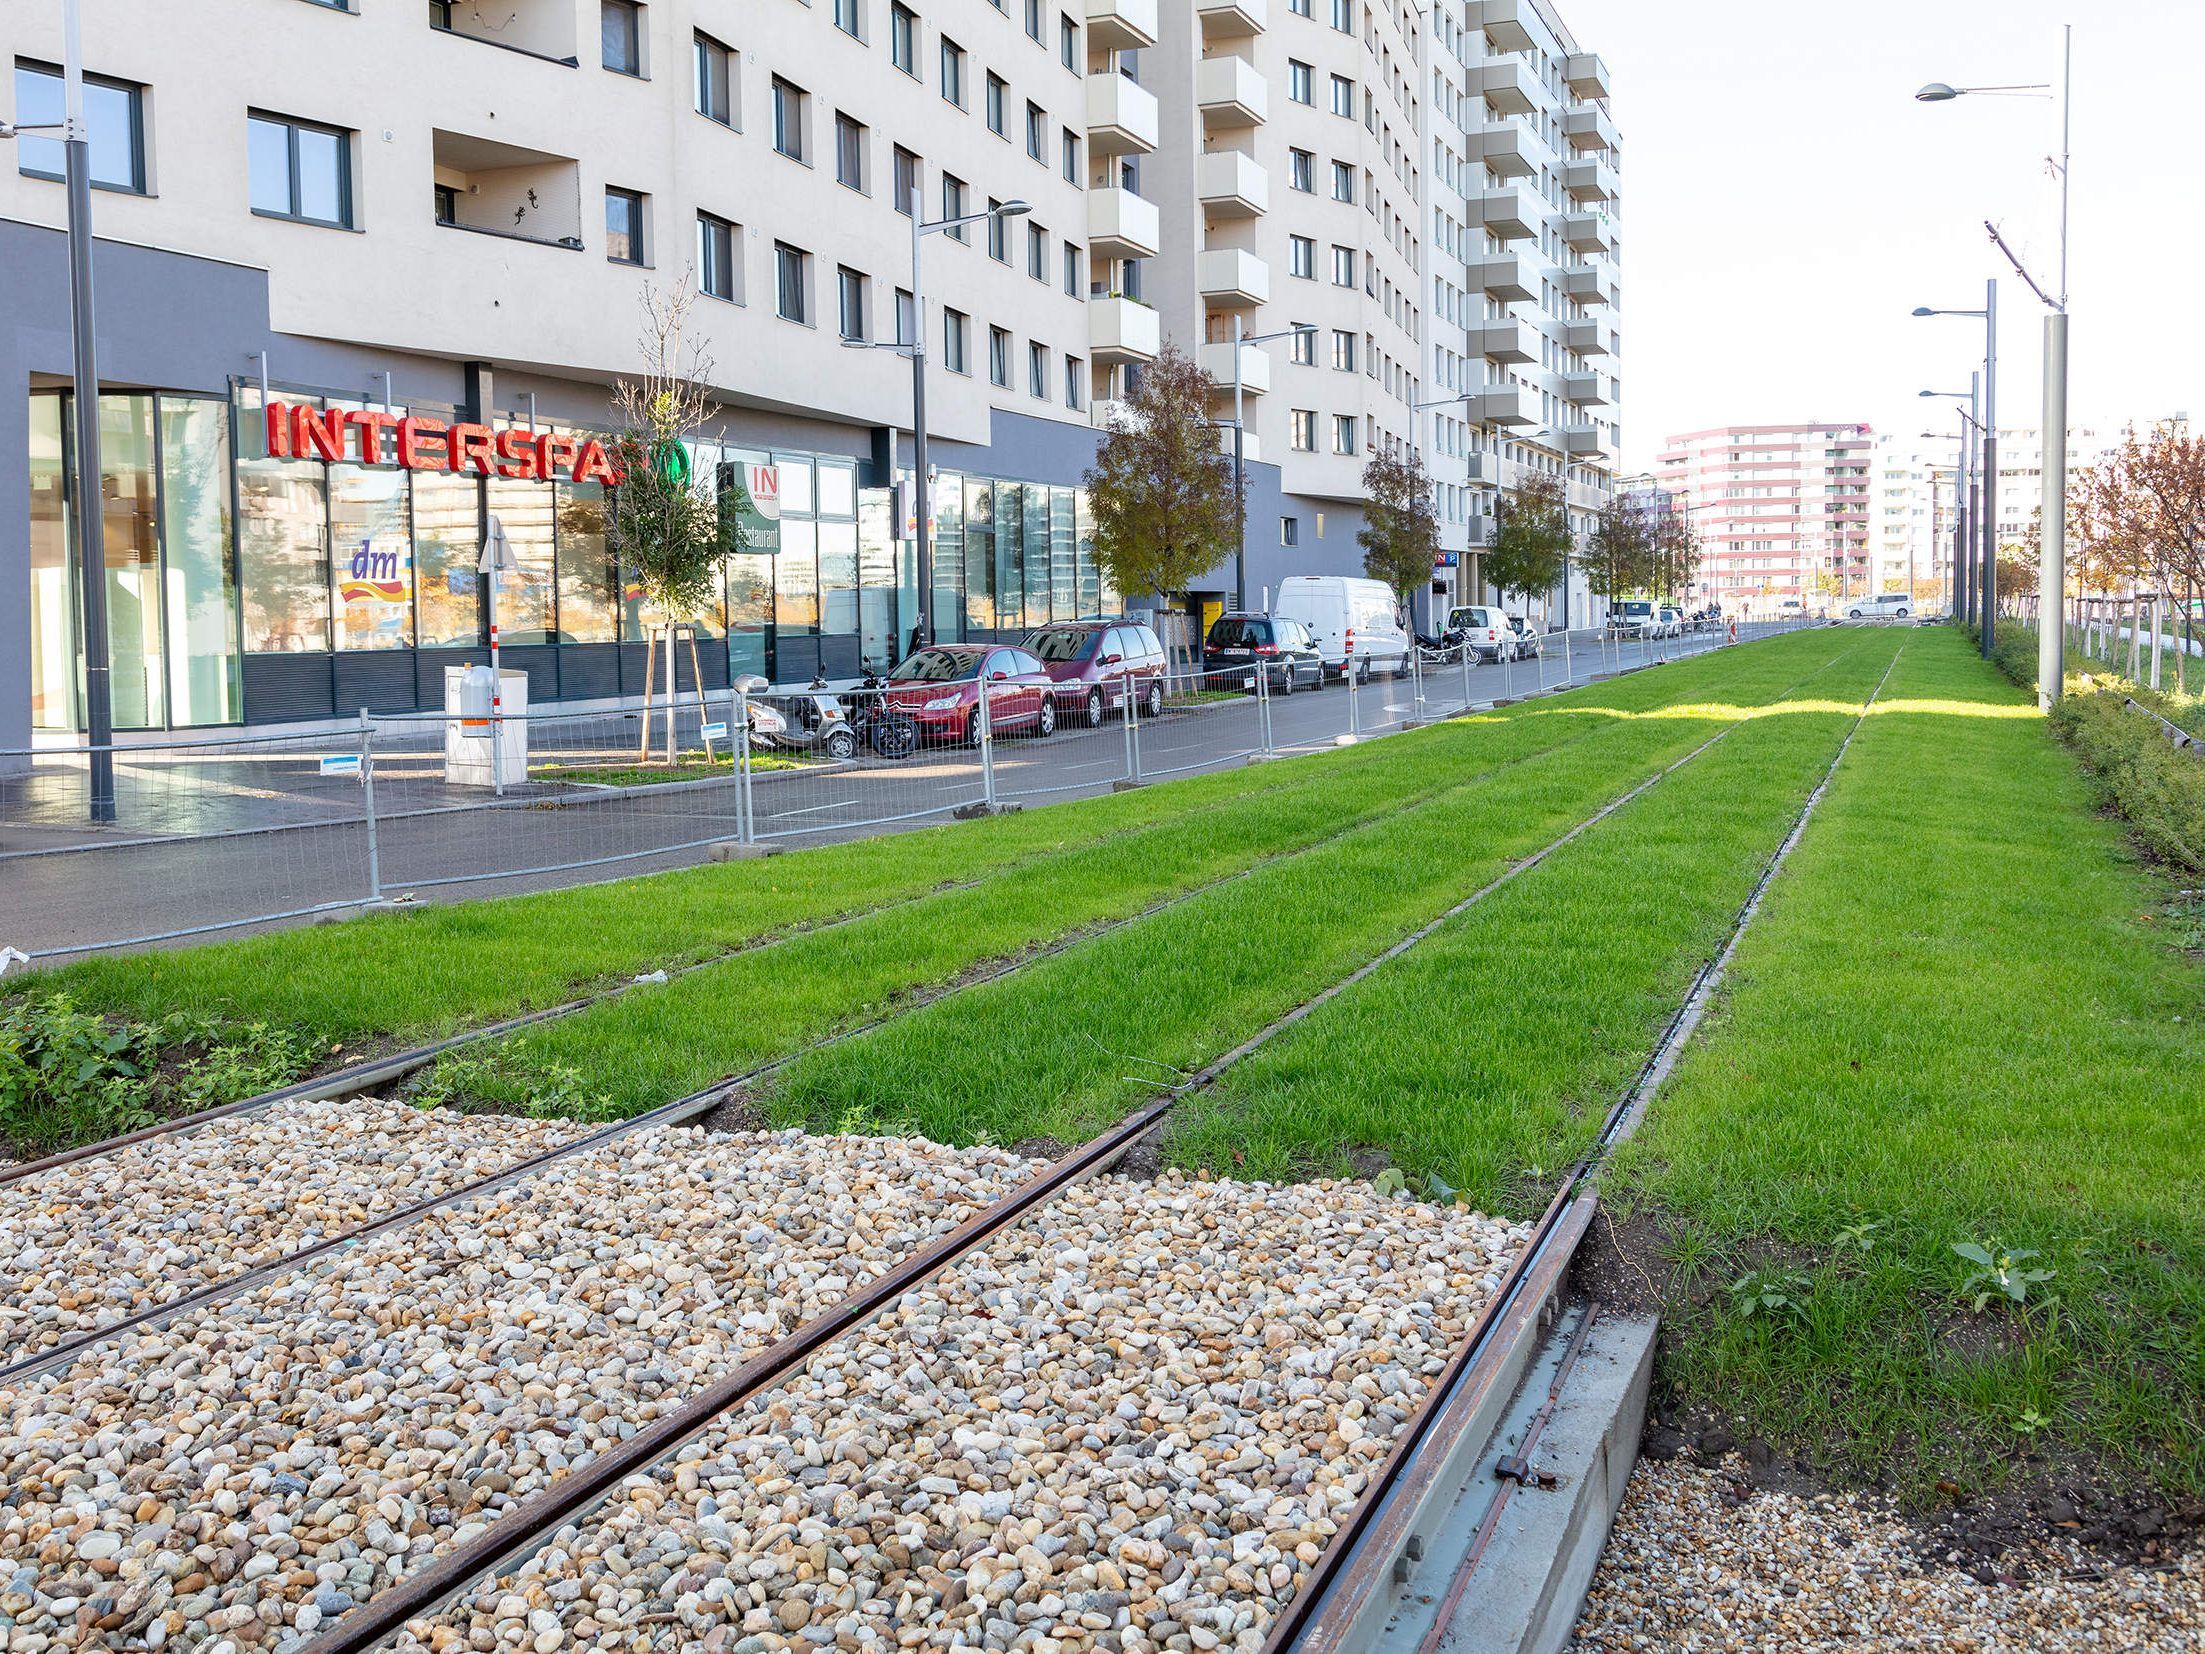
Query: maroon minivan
{"type": "Point", "coordinates": [1092, 661]}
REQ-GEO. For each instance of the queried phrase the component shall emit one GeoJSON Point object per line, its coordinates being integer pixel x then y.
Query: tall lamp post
{"type": "Point", "coordinates": [915, 348]}
{"type": "Point", "coordinates": [1416, 431]}
{"type": "Point", "coordinates": [76, 149]}
{"type": "Point", "coordinates": [1240, 465]}
{"type": "Point", "coordinates": [1972, 509]}
{"type": "Point", "coordinates": [1986, 580]}
{"type": "Point", "coordinates": [2052, 550]}
{"type": "Point", "coordinates": [1958, 472]}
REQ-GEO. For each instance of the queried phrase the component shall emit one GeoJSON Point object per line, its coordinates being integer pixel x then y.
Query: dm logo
{"type": "Point", "coordinates": [374, 577]}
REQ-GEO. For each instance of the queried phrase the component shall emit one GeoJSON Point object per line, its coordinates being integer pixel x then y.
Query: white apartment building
{"type": "Point", "coordinates": [1780, 510]}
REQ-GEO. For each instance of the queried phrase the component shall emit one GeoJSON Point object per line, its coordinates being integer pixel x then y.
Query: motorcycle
{"type": "Point", "coordinates": [890, 733]}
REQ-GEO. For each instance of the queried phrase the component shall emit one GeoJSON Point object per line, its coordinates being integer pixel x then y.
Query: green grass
{"type": "Point", "coordinates": [1064, 1048]}
{"type": "Point", "coordinates": [1482, 1062]}
{"type": "Point", "coordinates": [623, 774]}
{"type": "Point", "coordinates": [1950, 1025]}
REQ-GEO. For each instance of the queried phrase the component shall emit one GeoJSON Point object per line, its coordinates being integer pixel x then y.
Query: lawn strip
{"type": "Point", "coordinates": [1948, 1026]}
{"type": "Point", "coordinates": [1059, 1051]}
{"type": "Point", "coordinates": [1483, 1062]}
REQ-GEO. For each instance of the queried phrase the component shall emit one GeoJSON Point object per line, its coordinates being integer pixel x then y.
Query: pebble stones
{"type": "Point", "coordinates": [87, 1244]}
{"type": "Point", "coordinates": [1131, 1423]}
{"type": "Point", "coordinates": [243, 1475]}
{"type": "Point", "coordinates": [1691, 1565]}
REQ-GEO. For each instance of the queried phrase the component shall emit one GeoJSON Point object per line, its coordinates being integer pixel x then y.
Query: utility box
{"type": "Point", "coordinates": [467, 728]}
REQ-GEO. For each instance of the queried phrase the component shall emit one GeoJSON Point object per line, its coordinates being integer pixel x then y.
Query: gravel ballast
{"type": "Point", "coordinates": [85, 1245]}
{"type": "Point", "coordinates": [1131, 1422]}
{"type": "Point", "coordinates": [1700, 1560]}
{"type": "Point", "coordinates": [247, 1472]}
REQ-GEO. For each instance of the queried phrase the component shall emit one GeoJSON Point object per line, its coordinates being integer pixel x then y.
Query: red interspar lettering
{"type": "Point", "coordinates": [421, 443]}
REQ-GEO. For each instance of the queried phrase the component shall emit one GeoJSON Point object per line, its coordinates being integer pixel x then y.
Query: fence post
{"type": "Point", "coordinates": [987, 746]}
{"type": "Point", "coordinates": [1355, 723]}
{"type": "Point", "coordinates": [1263, 704]}
{"type": "Point", "coordinates": [746, 826]}
{"type": "Point", "coordinates": [367, 793]}
{"type": "Point", "coordinates": [1569, 662]}
{"type": "Point", "coordinates": [1416, 678]}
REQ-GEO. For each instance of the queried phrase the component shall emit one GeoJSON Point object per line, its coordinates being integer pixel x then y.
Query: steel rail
{"type": "Point", "coordinates": [1357, 1561]}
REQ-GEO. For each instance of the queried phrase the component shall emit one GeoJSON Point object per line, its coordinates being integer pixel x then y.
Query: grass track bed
{"type": "Point", "coordinates": [1947, 1026]}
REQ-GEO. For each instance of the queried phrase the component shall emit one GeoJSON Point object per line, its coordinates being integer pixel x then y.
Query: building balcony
{"type": "Point", "coordinates": [1583, 442]}
{"type": "Point", "coordinates": [1251, 445]}
{"type": "Point", "coordinates": [1482, 470]}
{"type": "Point", "coordinates": [1506, 148]}
{"type": "Point", "coordinates": [538, 28]}
{"type": "Point", "coordinates": [1480, 530]}
{"type": "Point", "coordinates": [1255, 367]}
{"type": "Point", "coordinates": [1507, 23]}
{"type": "Point", "coordinates": [1122, 225]}
{"type": "Point", "coordinates": [1589, 232]}
{"type": "Point", "coordinates": [1230, 184]}
{"type": "Point", "coordinates": [1507, 277]}
{"type": "Point", "coordinates": [1508, 86]}
{"type": "Point", "coordinates": [1108, 413]}
{"type": "Point", "coordinates": [1231, 278]}
{"type": "Point", "coordinates": [1504, 405]}
{"type": "Point", "coordinates": [1123, 330]}
{"type": "Point", "coordinates": [1121, 117]}
{"type": "Point", "coordinates": [1583, 390]}
{"type": "Point", "coordinates": [1590, 283]}
{"type": "Point", "coordinates": [1504, 341]}
{"type": "Point", "coordinates": [1512, 213]}
{"type": "Point", "coordinates": [1121, 25]}
{"type": "Point", "coordinates": [1232, 19]}
{"type": "Point", "coordinates": [1590, 181]}
{"type": "Point", "coordinates": [1589, 129]}
{"type": "Point", "coordinates": [1585, 74]}
{"type": "Point", "coordinates": [1590, 338]}
{"type": "Point", "coordinates": [1229, 92]}
{"type": "Point", "coordinates": [505, 190]}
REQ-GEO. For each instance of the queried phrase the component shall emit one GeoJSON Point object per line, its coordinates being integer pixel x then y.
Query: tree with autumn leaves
{"type": "Point", "coordinates": [1400, 532]}
{"type": "Point", "coordinates": [2139, 518]}
{"type": "Point", "coordinates": [1161, 489]}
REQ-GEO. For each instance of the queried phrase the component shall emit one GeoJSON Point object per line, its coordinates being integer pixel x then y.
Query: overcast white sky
{"type": "Point", "coordinates": [1786, 203]}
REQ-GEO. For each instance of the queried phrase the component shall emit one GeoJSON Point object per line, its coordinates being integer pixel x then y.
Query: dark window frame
{"type": "Point", "coordinates": [135, 90]}
{"type": "Point", "coordinates": [347, 218]}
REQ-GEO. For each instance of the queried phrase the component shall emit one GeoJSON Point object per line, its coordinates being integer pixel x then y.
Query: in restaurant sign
{"type": "Point", "coordinates": [423, 444]}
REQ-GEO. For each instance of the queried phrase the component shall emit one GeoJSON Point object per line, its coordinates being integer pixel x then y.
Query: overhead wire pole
{"type": "Point", "coordinates": [1240, 464]}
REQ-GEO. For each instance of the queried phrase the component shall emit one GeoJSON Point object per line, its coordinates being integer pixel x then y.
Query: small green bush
{"type": "Point", "coordinates": [2157, 787]}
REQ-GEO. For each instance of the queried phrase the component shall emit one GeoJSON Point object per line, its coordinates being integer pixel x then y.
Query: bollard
{"type": "Point", "coordinates": [367, 792]}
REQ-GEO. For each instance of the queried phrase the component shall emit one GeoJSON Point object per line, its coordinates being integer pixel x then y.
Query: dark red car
{"type": "Point", "coordinates": [1091, 661]}
{"type": "Point", "coordinates": [939, 690]}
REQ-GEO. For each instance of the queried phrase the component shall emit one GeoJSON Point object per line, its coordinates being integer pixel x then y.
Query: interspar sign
{"type": "Point", "coordinates": [423, 444]}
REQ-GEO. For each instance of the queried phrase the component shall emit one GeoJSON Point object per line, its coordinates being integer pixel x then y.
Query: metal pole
{"type": "Point", "coordinates": [497, 690]}
{"type": "Point", "coordinates": [1990, 465]}
{"type": "Point", "coordinates": [1125, 722]}
{"type": "Point", "coordinates": [919, 489]}
{"type": "Point", "coordinates": [1263, 703]}
{"type": "Point", "coordinates": [1240, 485]}
{"type": "Point", "coordinates": [987, 746]}
{"type": "Point", "coordinates": [367, 793]}
{"type": "Point", "coordinates": [746, 818]}
{"type": "Point", "coordinates": [90, 525]}
{"type": "Point", "coordinates": [2052, 542]}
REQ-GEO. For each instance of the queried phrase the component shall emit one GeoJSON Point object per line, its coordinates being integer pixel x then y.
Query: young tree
{"type": "Point", "coordinates": [1531, 537]}
{"type": "Point", "coordinates": [1674, 551]}
{"type": "Point", "coordinates": [1619, 556]}
{"type": "Point", "coordinates": [1400, 532]}
{"type": "Point", "coordinates": [1161, 489]}
{"type": "Point", "coordinates": [2141, 516]}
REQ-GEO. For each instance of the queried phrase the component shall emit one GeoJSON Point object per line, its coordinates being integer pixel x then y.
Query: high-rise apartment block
{"type": "Point", "coordinates": [1780, 510]}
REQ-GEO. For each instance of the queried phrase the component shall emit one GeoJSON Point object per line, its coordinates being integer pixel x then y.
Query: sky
{"type": "Point", "coordinates": [1787, 203]}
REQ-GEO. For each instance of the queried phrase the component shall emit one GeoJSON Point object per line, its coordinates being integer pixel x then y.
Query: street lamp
{"type": "Point", "coordinates": [2052, 550]}
{"type": "Point", "coordinates": [915, 348]}
{"type": "Point", "coordinates": [1476, 591]}
{"type": "Point", "coordinates": [1240, 468]}
{"type": "Point", "coordinates": [1966, 510]}
{"type": "Point", "coordinates": [99, 705]}
{"type": "Point", "coordinates": [1959, 458]}
{"type": "Point", "coordinates": [1986, 579]}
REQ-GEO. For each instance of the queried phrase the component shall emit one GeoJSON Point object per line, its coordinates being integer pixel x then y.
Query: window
{"type": "Point", "coordinates": [999, 237]}
{"type": "Point", "coordinates": [907, 181]}
{"type": "Point", "coordinates": [905, 330]}
{"type": "Point", "coordinates": [997, 86]}
{"type": "Point", "coordinates": [715, 77]}
{"type": "Point", "coordinates": [1300, 8]}
{"type": "Point", "coordinates": [849, 19]}
{"type": "Point", "coordinates": [716, 257]}
{"type": "Point", "coordinates": [300, 171]}
{"type": "Point", "coordinates": [1343, 16]}
{"type": "Point", "coordinates": [1343, 266]}
{"type": "Point", "coordinates": [1298, 80]}
{"type": "Point", "coordinates": [791, 275]}
{"type": "Point", "coordinates": [1343, 96]}
{"type": "Point", "coordinates": [850, 302]}
{"type": "Point", "coordinates": [1301, 344]}
{"type": "Point", "coordinates": [1068, 43]}
{"type": "Point", "coordinates": [1071, 270]}
{"type": "Point", "coordinates": [1037, 252]}
{"type": "Point", "coordinates": [1343, 433]}
{"type": "Point", "coordinates": [623, 226]}
{"type": "Point", "coordinates": [1301, 170]}
{"type": "Point", "coordinates": [953, 203]}
{"type": "Point", "coordinates": [1302, 257]}
{"type": "Point", "coordinates": [1037, 370]}
{"type": "Point", "coordinates": [850, 152]}
{"type": "Point", "coordinates": [1073, 374]}
{"type": "Point", "coordinates": [447, 204]}
{"type": "Point", "coordinates": [788, 118]}
{"type": "Point", "coordinates": [113, 109]}
{"type": "Point", "coordinates": [1343, 181]}
{"type": "Point", "coordinates": [955, 326]}
{"type": "Point", "coordinates": [1343, 350]}
{"type": "Point", "coordinates": [1037, 129]}
{"type": "Point", "coordinates": [1304, 438]}
{"type": "Point", "coordinates": [1033, 18]}
{"type": "Point", "coordinates": [1070, 144]}
{"type": "Point", "coordinates": [620, 34]}
{"type": "Point", "coordinates": [903, 38]}
{"type": "Point", "coordinates": [999, 356]}
{"type": "Point", "coordinates": [1290, 531]}
{"type": "Point", "coordinates": [953, 72]}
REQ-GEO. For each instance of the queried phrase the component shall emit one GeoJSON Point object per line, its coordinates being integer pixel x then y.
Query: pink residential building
{"type": "Point", "coordinates": [1781, 510]}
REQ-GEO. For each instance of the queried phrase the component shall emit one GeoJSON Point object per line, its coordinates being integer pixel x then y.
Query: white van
{"type": "Point", "coordinates": [1333, 606]}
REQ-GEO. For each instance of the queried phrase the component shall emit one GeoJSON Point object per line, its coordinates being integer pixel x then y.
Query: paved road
{"type": "Point", "coordinates": [259, 833]}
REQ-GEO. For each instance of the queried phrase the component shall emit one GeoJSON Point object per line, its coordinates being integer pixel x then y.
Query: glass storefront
{"type": "Point", "coordinates": [231, 574]}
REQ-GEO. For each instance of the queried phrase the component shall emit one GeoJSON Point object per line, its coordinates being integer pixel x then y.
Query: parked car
{"type": "Point", "coordinates": [1091, 662]}
{"type": "Point", "coordinates": [1484, 629]}
{"type": "Point", "coordinates": [1336, 607]}
{"type": "Point", "coordinates": [1634, 617]}
{"type": "Point", "coordinates": [1669, 621]}
{"type": "Point", "coordinates": [1882, 606]}
{"type": "Point", "coordinates": [1791, 608]}
{"type": "Point", "coordinates": [1529, 645]}
{"type": "Point", "coordinates": [1282, 646]}
{"type": "Point", "coordinates": [939, 690]}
